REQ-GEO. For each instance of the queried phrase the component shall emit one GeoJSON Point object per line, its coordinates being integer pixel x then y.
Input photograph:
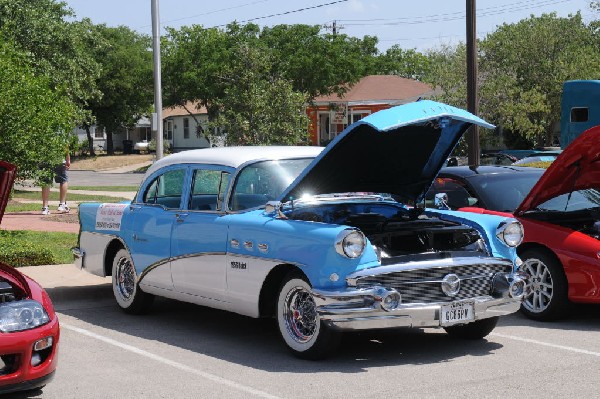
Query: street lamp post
{"type": "Point", "coordinates": [157, 117]}
{"type": "Point", "coordinates": [473, 135]}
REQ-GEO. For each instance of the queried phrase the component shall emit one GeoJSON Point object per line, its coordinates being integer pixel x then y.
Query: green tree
{"type": "Point", "coordinates": [36, 117]}
{"type": "Point", "coordinates": [125, 79]}
{"type": "Point", "coordinates": [258, 107]}
{"type": "Point", "coordinates": [195, 61]}
{"type": "Point", "coordinates": [524, 65]}
{"type": "Point", "coordinates": [409, 64]}
{"type": "Point", "coordinates": [56, 47]}
{"type": "Point", "coordinates": [316, 63]}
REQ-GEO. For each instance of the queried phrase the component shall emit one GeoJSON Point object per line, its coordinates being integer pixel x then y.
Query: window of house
{"type": "Point", "coordinates": [168, 131]}
{"type": "Point", "coordinates": [146, 134]}
{"type": "Point", "coordinates": [579, 114]}
{"type": "Point", "coordinates": [358, 116]}
{"type": "Point", "coordinates": [98, 133]}
{"type": "Point", "coordinates": [186, 128]}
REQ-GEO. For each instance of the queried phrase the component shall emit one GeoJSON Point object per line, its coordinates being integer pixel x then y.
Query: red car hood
{"type": "Point", "coordinates": [576, 168]}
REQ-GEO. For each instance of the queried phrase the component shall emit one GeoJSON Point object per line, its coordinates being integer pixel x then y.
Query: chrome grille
{"type": "Point", "coordinates": [424, 285]}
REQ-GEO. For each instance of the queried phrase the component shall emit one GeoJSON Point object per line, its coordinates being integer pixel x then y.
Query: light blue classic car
{"type": "Point", "coordinates": [323, 240]}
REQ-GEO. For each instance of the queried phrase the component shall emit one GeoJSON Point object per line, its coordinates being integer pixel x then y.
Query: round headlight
{"type": "Point", "coordinates": [350, 243]}
{"type": "Point", "coordinates": [510, 233]}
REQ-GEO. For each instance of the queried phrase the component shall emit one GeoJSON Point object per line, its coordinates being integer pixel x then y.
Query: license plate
{"type": "Point", "coordinates": [457, 312]}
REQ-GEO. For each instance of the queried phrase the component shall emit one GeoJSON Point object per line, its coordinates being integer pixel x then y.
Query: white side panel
{"type": "Point", "coordinates": [94, 246]}
{"type": "Point", "coordinates": [202, 275]}
{"type": "Point", "coordinates": [180, 296]}
{"type": "Point", "coordinates": [245, 277]}
{"type": "Point", "coordinates": [159, 277]}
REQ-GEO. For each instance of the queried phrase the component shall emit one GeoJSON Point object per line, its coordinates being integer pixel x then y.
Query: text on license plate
{"type": "Point", "coordinates": [457, 312]}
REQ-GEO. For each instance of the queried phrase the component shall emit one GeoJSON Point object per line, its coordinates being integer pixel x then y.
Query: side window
{"type": "Point", "coordinates": [208, 190]}
{"type": "Point", "coordinates": [458, 196]}
{"type": "Point", "coordinates": [166, 189]}
{"type": "Point", "coordinates": [579, 114]}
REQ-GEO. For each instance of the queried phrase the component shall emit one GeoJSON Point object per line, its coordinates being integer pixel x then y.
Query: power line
{"type": "Point", "coordinates": [490, 11]}
{"type": "Point", "coordinates": [288, 12]}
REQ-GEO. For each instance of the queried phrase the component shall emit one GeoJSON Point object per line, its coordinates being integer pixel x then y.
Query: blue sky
{"type": "Point", "coordinates": [421, 25]}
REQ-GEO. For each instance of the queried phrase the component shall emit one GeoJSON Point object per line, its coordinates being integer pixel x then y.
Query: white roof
{"type": "Point", "coordinates": [235, 156]}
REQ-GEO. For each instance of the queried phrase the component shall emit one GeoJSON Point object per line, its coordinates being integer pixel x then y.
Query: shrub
{"type": "Point", "coordinates": [17, 253]}
{"type": "Point", "coordinates": [33, 248]}
{"type": "Point", "coordinates": [166, 146]}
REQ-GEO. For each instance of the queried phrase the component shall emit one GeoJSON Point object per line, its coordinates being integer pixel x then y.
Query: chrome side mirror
{"type": "Point", "coordinates": [441, 201]}
{"type": "Point", "coordinates": [273, 208]}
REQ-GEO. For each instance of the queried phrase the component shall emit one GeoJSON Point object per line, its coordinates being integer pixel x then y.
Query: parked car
{"type": "Point", "coordinates": [29, 328]}
{"type": "Point", "coordinates": [560, 211]}
{"type": "Point", "coordinates": [141, 146]}
{"type": "Point", "coordinates": [305, 235]}
{"type": "Point", "coordinates": [496, 158]}
{"type": "Point", "coordinates": [535, 159]}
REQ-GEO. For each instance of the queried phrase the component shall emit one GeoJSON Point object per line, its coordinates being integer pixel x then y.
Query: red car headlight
{"type": "Point", "coordinates": [22, 315]}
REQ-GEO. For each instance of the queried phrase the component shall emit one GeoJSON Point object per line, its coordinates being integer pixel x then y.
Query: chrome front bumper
{"type": "Point", "coordinates": [78, 255]}
{"type": "Point", "coordinates": [362, 309]}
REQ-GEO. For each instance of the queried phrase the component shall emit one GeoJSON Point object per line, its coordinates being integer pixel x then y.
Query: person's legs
{"type": "Point", "coordinates": [62, 179]}
{"type": "Point", "coordinates": [63, 192]}
{"type": "Point", "coordinates": [45, 197]}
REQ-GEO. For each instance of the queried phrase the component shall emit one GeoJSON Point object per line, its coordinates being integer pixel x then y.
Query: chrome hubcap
{"type": "Point", "coordinates": [541, 286]}
{"type": "Point", "coordinates": [300, 315]}
{"type": "Point", "coordinates": [125, 278]}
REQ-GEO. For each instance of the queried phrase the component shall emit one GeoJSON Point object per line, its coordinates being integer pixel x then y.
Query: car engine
{"type": "Point", "coordinates": [392, 229]}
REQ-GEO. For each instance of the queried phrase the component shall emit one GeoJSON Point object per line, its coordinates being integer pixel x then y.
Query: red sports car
{"type": "Point", "coordinates": [560, 212]}
{"type": "Point", "coordinates": [29, 329]}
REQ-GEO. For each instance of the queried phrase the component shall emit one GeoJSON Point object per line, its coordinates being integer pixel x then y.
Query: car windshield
{"type": "Point", "coordinates": [582, 199]}
{"type": "Point", "coordinates": [504, 192]}
{"type": "Point", "coordinates": [264, 181]}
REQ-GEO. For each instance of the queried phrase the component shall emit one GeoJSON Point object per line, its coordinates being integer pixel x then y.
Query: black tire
{"type": "Point", "coordinates": [125, 286]}
{"type": "Point", "coordinates": [547, 298]}
{"type": "Point", "coordinates": [475, 330]}
{"type": "Point", "coordinates": [301, 329]}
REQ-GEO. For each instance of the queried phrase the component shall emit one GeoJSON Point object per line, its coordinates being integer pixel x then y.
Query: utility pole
{"type": "Point", "coordinates": [334, 28]}
{"type": "Point", "coordinates": [157, 116]}
{"type": "Point", "coordinates": [473, 134]}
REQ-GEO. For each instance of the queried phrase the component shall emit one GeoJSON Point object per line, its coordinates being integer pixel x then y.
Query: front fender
{"type": "Point", "coordinates": [308, 245]}
{"type": "Point", "coordinates": [486, 225]}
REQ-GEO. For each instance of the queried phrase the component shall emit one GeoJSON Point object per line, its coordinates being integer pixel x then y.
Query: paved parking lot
{"type": "Point", "coordinates": [187, 351]}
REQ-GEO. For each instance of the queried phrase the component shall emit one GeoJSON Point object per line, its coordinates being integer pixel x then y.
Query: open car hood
{"type": "Point", "coordinates": [398, 151]}
{"type": "Point", "coordinates": [7, 178]}
{"type": "Point", "coordinates": [576, 168]}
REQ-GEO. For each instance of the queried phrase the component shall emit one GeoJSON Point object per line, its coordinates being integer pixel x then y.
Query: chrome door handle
{"type": "Point", "coordinates": [180, 217]}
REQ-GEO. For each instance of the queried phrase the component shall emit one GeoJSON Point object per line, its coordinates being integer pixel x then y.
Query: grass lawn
{"type": "Point", "coordinates": [37, 196]}
{"type": "Point", "coordinates": [33, 248]}
{"type": "Point", "coordinates": [15, 206]}
{"type": "Point", "coordinates": [116, 189]}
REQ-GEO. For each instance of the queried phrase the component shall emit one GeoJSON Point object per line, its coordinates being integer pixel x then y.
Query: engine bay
{"type": "Point", "coordinates": [393, 229]}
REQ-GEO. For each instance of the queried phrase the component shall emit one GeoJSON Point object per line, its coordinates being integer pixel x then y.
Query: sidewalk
{"type": "Point", "coordinates": [60, 222]}
{"type": "Point", "coordinates": [69, 222]}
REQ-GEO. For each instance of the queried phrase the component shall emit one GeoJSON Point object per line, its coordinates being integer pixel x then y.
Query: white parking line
{"type": "Point", "coordinates": [161, 359]}
{"type": "Point", "coordinates": [536, 342]}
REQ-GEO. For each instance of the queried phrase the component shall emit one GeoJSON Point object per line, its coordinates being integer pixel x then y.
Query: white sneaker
{"type": "Point", "coordinates": [63, 208]}
{"type": "Point", "coordinates": [45, 210]}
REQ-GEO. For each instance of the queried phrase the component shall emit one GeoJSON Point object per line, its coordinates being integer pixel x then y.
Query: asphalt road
{"type": "Point", "coordinates": [91, 178]}
{"type": "Point", "coordinates": [186, 351]}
